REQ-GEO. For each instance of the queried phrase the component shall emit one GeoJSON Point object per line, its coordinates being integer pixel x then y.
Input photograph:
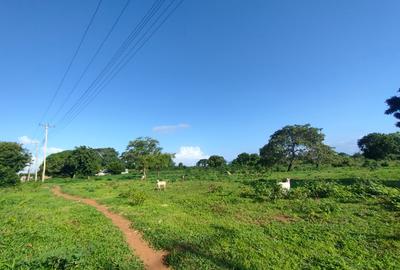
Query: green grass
{"type": "Point", "coordinates": [40, 231]}
{"type": "Point", "coordinates": [211, 221]}
{"type": "Point", "coordinates": [211, 224]}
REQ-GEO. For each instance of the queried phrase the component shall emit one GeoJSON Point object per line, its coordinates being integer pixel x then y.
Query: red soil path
{"type": "Point", "coordinates": [152, 259]}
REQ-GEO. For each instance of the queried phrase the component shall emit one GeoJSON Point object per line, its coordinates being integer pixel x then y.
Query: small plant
{"type": "Point", "coordinates": [215, 188]}
{"type": "Point", "coordinates": [134, 197]}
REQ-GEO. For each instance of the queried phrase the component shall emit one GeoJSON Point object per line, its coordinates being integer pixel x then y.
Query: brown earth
{"type": "Point", "coordinates": [152, 259]}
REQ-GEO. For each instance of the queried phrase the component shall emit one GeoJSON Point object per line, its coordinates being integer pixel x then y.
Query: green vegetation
{"type": "Point", "coordinates": [40, 231]}
{"type": "Point", "coordinates": [13, 158]}
{"type": "Point", "coordinates": [221, 221]}
{"type": "Point", "coordinates": [380, 146]}
{"type": "Point", "coordinates": [394, 107]}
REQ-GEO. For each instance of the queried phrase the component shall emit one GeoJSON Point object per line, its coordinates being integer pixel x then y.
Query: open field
{"type": "Point", "coordinates": [213, 224]}
{"type": "Point", "coordinates": [40, 231]}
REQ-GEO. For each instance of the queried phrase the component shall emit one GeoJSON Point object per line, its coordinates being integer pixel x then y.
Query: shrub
{"type": "Point", "coordinates": [365, 188]}
{"type": "Point", "coordinates": [393, 202]}
{"type": "Point", "coordinates": [321, 189]}
{"type": "Point", "coordinates": [268, 190]}
{"type": "Point", "coordinates": [385, 164]}
{"type": "Point", "coordinates": [134, 197]}
{"type": "Point", "coordinates": [215, 188]}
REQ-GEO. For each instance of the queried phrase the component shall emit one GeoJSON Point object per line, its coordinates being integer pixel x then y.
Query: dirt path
{"type": "Point", "coordinates": [152, 259]}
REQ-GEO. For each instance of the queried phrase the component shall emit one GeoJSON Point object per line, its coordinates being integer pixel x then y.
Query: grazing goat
{"type": "Point", "coordinates": [161, 184]}
{"type": "Point", "coordinates": [285, 185]}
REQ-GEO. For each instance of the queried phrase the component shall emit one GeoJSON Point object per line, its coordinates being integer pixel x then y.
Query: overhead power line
{"type": "Point", "coordinates": [110, 31]}
{"type": "Point", "coordinates": [117, 55]}
{"type": "Point", "coordinates": [106, 79]}
{"type": "Point", "coordinates": [71, 61]}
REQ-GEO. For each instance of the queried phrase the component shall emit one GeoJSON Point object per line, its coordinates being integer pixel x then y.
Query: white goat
{"type": "Point", "coordinates": [161, 184]}
{"type": "Point", "coordinates": [285, 185]}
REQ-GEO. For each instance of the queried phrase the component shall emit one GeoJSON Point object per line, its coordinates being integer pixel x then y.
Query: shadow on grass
{"type": "Point", "coordinates": [181, 250]}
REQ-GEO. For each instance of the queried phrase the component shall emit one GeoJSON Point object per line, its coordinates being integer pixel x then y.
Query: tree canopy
{"type": "Point", "coordinates": [13, 158]}
{"type": "Point", "coordinates": [107, 156]}
{"type": "Point", "coordinates": [380, 146]}
{"type": "Point", "coordinates": [58, 164]}
{"type": "Point", "coordinates": [145, 153]}
{"type": "Point", "coordinates": [216, 161]}
{"type": "Point", "coordinates": [290, 143]}
{"type": "Point", "coordinates": [394, 107]}
{"type": "Point", "coordinates": [84, 161]}
{"type": "Point", "coordinates": [245, 159]}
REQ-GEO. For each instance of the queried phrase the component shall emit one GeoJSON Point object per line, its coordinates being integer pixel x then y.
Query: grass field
{"type": "Point", "coordinates": [40, 231]}
{"type": "Point", "coordinates": [212, 220]}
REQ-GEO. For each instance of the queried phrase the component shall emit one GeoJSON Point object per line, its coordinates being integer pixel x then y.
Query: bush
{"type": "Point", "coordinates": [268, 190]}
{"type": "Point", "coordinates": [385, 164]}
{"type": "Point", "coordinates": [365, 188]}
{"type": "Point", "coordinates": [393, 202]}
{"type": "Point", "coordinates": [134, 197]}
{"type": "Point", "coordinates": [371, 164]}
{"type": "Point", "coordinates": [7, 176]}
{"type": "Point", "coordinates": [321, 189]}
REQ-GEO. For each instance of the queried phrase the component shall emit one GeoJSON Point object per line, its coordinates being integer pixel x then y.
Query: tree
{"type": "Point", "coordinates": [115, 167]}
{"type": "Point", "coordinates": [160, 161]}
{"type": "Point", "coordinates": [7, 176]}
{"type": "Point", "coordinates": [84, 161]}
{"type": "Point", "coordinates": [216, 161]}
{"type": "Point", "coordinates": [321, 154]}
{"type": "Point", "coordinates": [107, 156]}
{"type": "Point", "coordinates": [138, 151]}
{"type": "Point", "coordinates": [202, 163]}
{"type": "Point", "coordinates": [13, 158]}
{"type": "Point", "coordinates": [394, 107]}
{"type": "Point", "coordinates": [145, 153]}
{"type": "Point", "coordinates": [245, 159]}
{"type": "Point", "coordinates": [380, 146]}
{"type": "Point", "coordinates": [58, 164]}
{"type": "Point", "coordinates": [289, 144]}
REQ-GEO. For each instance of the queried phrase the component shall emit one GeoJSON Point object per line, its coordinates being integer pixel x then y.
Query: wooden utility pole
{"type": "Point", "coordinates": [46, 131]}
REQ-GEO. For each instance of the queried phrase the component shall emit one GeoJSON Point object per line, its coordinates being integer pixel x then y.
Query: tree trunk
{"type": "Point", "coordinates": [290, 166]}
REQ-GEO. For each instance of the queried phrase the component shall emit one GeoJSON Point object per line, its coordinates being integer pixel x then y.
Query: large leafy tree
{"type": "Point", "coordinates": [291, 143]}
{"type": "Point", "coordinates": [13, 158]}
{"type": "Point", "coordinates": [394, 107]}
{"type": "Point", "coordinates": [145, 153]}
{"type": "Point", "coordinates": [321, 154]}
{"type": "Point", "coordinates": [139, 151]}
{"type": "Point", "coordinates": [245, 159]}
{"type": "Point", "coordinates": [107, 156]}
{"type": "Point", "coordinates": [202, 163]}
{"type": "Point", "coordinates": [161, 161]}
{"type": "Point", "coordinates": [84, 161]}
{"type": "Point", "coordinates": [216, 161]}
{"type": "Point", "coordinates": [58, 164]}
{"type": "Point", "coordinates": [380, 146]}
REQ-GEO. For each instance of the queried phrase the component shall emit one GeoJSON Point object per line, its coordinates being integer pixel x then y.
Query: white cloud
{"type": "Point", "coordinates": [189, 155]}
{"type": "Point", "coordinates": [170, 128]}
{"type": "Point", "coordinates": [26, 140]}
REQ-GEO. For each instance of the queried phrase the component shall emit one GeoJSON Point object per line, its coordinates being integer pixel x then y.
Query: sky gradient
{"type": "Point", "coordinates": [219, 77]}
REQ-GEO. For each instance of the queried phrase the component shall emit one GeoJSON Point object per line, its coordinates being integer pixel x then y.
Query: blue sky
{"type": "Point", "coordinates": [219, 77]}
